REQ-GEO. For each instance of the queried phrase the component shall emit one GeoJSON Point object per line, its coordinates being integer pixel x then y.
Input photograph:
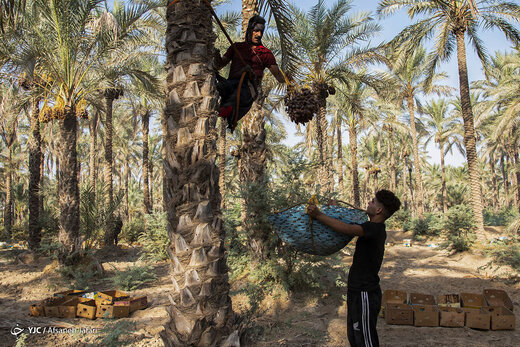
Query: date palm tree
{"type": "Point", "coordinates": [451, 22]}
{"type": "Point", "coordinates": [10, 109]}
{"type": "Point", "coordinates": [123, 30]}
{"type": "Point", "coordinates": [252, 151]}
{"type": "Point", "coordinates": [442, 128]}
{"type": "Point", "coordinates": [411, 79]}
{"type": "Point", "coordinates": [351, 100]}
{"type": "Point", "coordinates": [502, 105]}
{"type": "Point", "coordinates": [67, 42]}
{"type": "Point", "coordinates": [321, 36]}
{"type": "Point", "coordinates": [200, 311]}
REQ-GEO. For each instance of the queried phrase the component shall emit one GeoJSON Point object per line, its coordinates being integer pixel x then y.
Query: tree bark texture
{"type": "Point", "coordinates": [35, 155]}
{"type": "Point", "coordinates": [494, 180]}
{"type": "Point", "coordinates": [200, 311]}
{"type": "Point", "coordinates": [68, 190]}
{"type": "Point", "coordinates": [330, 164]}
{"type": "Point", "coordinates": [444, 195]}
{"type": "Point", "coordinates": [146, 163]}
{"type": "Point", "coordinates": [109, 164]}
{"type": "Point", "coordinates": [222, 152]}
{"type": "Point", "coordinates": [340, 158]}
{"type": "Point", "coordinates": [392, 169]}
{"type": "Point", "coordinates": [249, 9]}
{"type": "Point", "coordinates": [517, 176]}
{"type": "Point", "coordinates": [504, 179]}
{"type": "Point", "coordinates": [354, 163]}
{"type": "Point", "coordinates": [321, 128]}
{"type": "Point", "coordinates": [93, 126]}
{"type": "Point", "coordinates": [252, 166]}
{"type": "Point", "coordinates": [470, 141]}
{"type": "Point", "coordinates": [416, 160]}
{"type": "Point", "coordinates": [8, 211]}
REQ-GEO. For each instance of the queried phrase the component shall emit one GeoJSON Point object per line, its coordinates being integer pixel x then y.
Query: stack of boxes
{"type": "Point", "coordinates": [75, 303]}
{"type": "Point", "coordinates": [490, 310]}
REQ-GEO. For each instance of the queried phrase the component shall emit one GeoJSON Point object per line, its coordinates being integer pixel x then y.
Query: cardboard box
{"type": "Point", "coordinates": [453, 317]}
{"type": "Point", "coordinates": [471, 300]}
{"type": "Point", "coordinates": [87, 309]}
{"type": "Point", "coordinates": [38, 309]}
{"type": "Point", "coordinates": [501, 318]}
{"type": "Point", "coordinates": [51, 307]}
{"type": "Point", "coordinates": [392, 297]}
{"type": "Point", "coordinates": [421, 299]}
{"type": "Point", "coordinates": [110, 296]}
{"type": "Point", "coordinates": [111, 311]}
{"type": "Point", "coordinates": [497, 297]}
{"type": "Point", "coordinates": [134, 304]}
{"type": "Point", "coordinates": [68, 308]}
{"type": "Point", "coordinates": [448, 300]}
{"type": "Point", "coordinates": [476, 318]}
{"type": "Point", "coordinates": [400, 314]}
{"type": "Point", "coordinates": [72, 292]}
{"type": "Point", "coordinates": [425, 316]}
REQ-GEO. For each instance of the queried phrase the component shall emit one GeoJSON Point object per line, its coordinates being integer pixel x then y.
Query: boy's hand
{"type": "Point", "coordinates": [313, 211]}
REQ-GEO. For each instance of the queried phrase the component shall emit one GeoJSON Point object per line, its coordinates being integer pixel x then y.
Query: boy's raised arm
{"type": "Point", "coordinates": [335, 224]}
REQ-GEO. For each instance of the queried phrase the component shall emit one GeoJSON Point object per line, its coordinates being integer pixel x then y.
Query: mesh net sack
{"type": "Point", "coordinates": [295, 228]}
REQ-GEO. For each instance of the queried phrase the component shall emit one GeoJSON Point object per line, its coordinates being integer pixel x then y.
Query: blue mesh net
{"type": "Point", "coordinates": [294, 227]}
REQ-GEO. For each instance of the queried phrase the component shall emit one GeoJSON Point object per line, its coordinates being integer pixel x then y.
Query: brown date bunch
{"type": "Point", "coordinates": [301, 106]}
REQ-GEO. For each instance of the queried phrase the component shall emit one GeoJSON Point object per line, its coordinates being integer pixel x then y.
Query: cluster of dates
{"type": "Point", "coordinates": [301, 106]}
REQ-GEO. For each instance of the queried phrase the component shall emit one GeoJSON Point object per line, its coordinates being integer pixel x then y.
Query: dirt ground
{"type": "Point", "coordinates": [304, 319]}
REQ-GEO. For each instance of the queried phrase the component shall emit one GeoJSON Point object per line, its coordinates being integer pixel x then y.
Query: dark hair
{"type": "Point", "coordinates": [390, 202]}
{"type": "Point", "coordinates": [256, 19]}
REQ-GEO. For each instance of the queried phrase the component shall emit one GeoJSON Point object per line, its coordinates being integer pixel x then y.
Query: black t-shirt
{"type": "Point", "coordinates": [370, 248]}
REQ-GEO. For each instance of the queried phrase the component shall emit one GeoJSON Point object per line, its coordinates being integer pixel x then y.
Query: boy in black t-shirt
{"type": "Point", "coordinates": [363, 291]}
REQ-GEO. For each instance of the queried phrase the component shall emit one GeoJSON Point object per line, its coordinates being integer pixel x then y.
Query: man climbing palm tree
{"type": "Point", "coordinates": [250, 56]}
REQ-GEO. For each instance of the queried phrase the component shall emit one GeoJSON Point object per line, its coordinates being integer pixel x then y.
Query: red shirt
{"type": "Point", "coordinates": [259, 59]}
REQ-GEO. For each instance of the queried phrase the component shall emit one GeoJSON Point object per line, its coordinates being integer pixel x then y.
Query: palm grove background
{"type": "Point", "coordinates": [108, 114]}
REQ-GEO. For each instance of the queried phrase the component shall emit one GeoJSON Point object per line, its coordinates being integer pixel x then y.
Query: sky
{"type": "Point", "coordinates": [391, 26]}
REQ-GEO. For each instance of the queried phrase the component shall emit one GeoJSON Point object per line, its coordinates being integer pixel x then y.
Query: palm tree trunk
{"type": "Point", "coordinates": [494, 180]}
{"type": "Point", "coordinates": [416, 159]}
{"type": "Point", "coordinates": [222, 161]}
{"type": "Point", "coordinates": [127, 179]}
{"type": "Point", "coordinates": [109, 166]}
{"type": "Point", "coordinates": [511, 175]}
{"type": "Point", "coordinates": [330, 163]}
{"type": "Point", "coordinates": [504, 178]}
{"type": "Point", "coordinates": [405, 185]}
{"type": "Point", "coordinates": [8, 211]}
{"type": "Point", "coordinates": [470, 142]}
{"type": "Point", "coordinates": [321, 128]}
{"type": "Point", "coordinates": [146, 164]}
{"type": "Point", "coordinates": [517, 174]}
{"type": "Point", "coordinates": [42, 177]}
{"type": "Point", "coordinates": [35, 155]}
{"type": "Point", "coordinates": [340, 157]}
{"type": "Point", "coordinates": [93, 125]}
{"type": "Point", "coordinates": [354, 163]}
{"type": "Point", "coordinates": [392, 169]}
{"type": "Point", "coordinates": [249, 9]}
{"type": "Point", "coordinates": [252, 166]}
{"type": "Point", "coordinates": [151, 184]}
{"type": "Point", "coordinates": [444, 195]}
{"type": "Point", "coordinates": [201, 312]}
{"type": "Point", "coordinates": [68, 190]}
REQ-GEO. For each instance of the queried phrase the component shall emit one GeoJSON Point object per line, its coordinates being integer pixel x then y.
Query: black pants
{"type": "Point", "coordinates": [362, 312]}
{"type": "Point", "coordinates": [228, 91]}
